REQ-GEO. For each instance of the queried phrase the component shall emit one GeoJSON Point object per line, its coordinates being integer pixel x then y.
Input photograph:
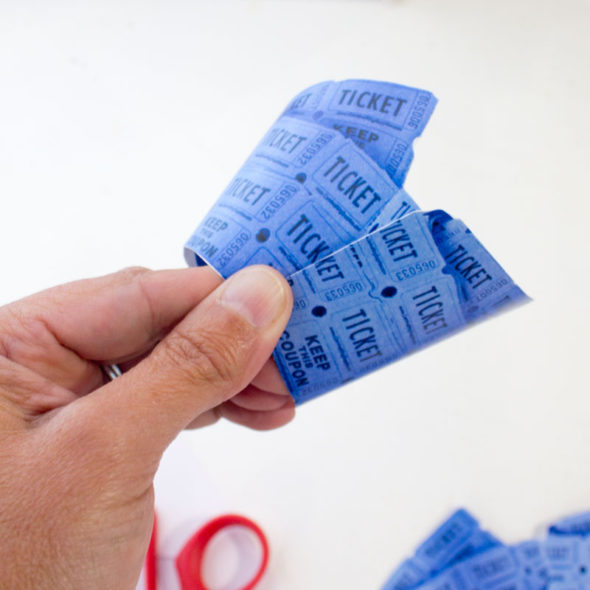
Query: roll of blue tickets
{"type": "Point", "coordinates": [320, 200]}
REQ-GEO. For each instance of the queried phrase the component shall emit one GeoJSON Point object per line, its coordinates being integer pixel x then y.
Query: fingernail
{"type": "Point", "coordinates": [256, 293]}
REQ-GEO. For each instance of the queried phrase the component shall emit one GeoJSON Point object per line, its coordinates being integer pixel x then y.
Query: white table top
{"type": "Point", "coordinates": [121, 122]}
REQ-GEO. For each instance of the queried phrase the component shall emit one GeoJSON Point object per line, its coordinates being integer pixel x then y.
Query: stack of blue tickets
{"type": "Point", "coordinates": [321, 200]}
{"type": "Point", "coordinates": [459, 555]}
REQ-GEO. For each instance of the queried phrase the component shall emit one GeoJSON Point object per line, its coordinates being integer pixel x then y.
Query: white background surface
{"type": "Point", "coordinates": [121, 122]}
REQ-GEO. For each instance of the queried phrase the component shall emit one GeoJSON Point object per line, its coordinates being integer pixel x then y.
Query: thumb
{"type": "Point", "coordinates": [210, 356]}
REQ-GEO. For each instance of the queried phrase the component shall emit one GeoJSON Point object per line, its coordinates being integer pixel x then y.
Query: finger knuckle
{"type": "Point", "coordinates": [206, 356]}
{"type": "Point", "coordinates": [130, 273]}
{"type": "Point", "coordinates": [16, 385]}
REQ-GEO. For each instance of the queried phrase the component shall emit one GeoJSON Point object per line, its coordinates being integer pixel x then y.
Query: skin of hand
{"type": "Point", "coordinates": [77, 453]}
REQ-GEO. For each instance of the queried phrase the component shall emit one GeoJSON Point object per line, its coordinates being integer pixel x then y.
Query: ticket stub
{"type": "Point", "coordinates": [534, 569]}
{"type": "Point", "coordinates": [496, 569]}
{"type": "Point", "coordinates": [391, 105]}
{"type": "Point", "coordinates": [406, 576]}
{"type": "Point", "coordinates": [456, 539]}
{"type": "Point", "coordinates": [303, 193]}
{"type": "Point", "coordinates": [482, 283]}
{"type": "Point", "coordinates": [567, 558]}
{"type": "Point", "coordinates": [381, 118]}
{"type": "Point", "coordinates": [446, 541]}
{"type": "Point", "coordinates": [390, 150]}
{"type": "Point", "coordinates": [478, 542]}
{"type": "Point", "coordinates": [578, 524]}
{"type": "Point", "coordinates": [490, 569]}
{"type": "Point", "coordinates": [397, 289]}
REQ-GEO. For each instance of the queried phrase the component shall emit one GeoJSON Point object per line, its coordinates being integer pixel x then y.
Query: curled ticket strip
{"type": "Point", "coordinates": [459, 555]}
{"type": "Point", "coordinates": [373, 277]}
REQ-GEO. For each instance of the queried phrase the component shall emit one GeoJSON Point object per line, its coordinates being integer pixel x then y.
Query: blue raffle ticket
{"type": "Point", "coordinates": [459, 555]}
{"type": "Point", "coordinates": [380, 118]}
{"type": "Point", "coordinates": [321, 200]}
{"type": "Point", "coordinates": [578, 524]}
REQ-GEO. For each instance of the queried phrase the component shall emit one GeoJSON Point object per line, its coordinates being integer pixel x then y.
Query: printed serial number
{"type": "Point", "coordinates": [299, 304]}
{"type": "Point", "coordinates": [397, 154]}
{"type": "Point", "coordinates": [490, 290]}
{"type": "Point", "coordinates": [343, 291]}
{"type": "Point", "coordinates": [415, 270]}
{"type": "Point", "coordinates": [232, 249]}
{"type": "Point", "coordinates": [419, 110]}
{"type": "Point", "coordinates": [277, 202]}
{"type": "Point", "coordinates": [313, 148]}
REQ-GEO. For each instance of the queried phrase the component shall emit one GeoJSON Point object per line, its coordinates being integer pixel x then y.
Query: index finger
{"type": "Point", "coordinates": [61, 333]}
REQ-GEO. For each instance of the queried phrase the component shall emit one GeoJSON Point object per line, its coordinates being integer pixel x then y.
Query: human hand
{"type": "Point", "coordinates": [78, 455]}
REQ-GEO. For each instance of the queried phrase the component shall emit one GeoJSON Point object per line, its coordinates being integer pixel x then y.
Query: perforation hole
{"type": "Point", "coordinates": [388, 291]}
{"type": "Point", "coordinates": [319, 311]}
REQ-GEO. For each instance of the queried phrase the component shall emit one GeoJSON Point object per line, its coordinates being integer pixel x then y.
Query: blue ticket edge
{"type": "Point", "coordinates": [577, 524]}
{"type": "Point", "coordinates": [323, 95]}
